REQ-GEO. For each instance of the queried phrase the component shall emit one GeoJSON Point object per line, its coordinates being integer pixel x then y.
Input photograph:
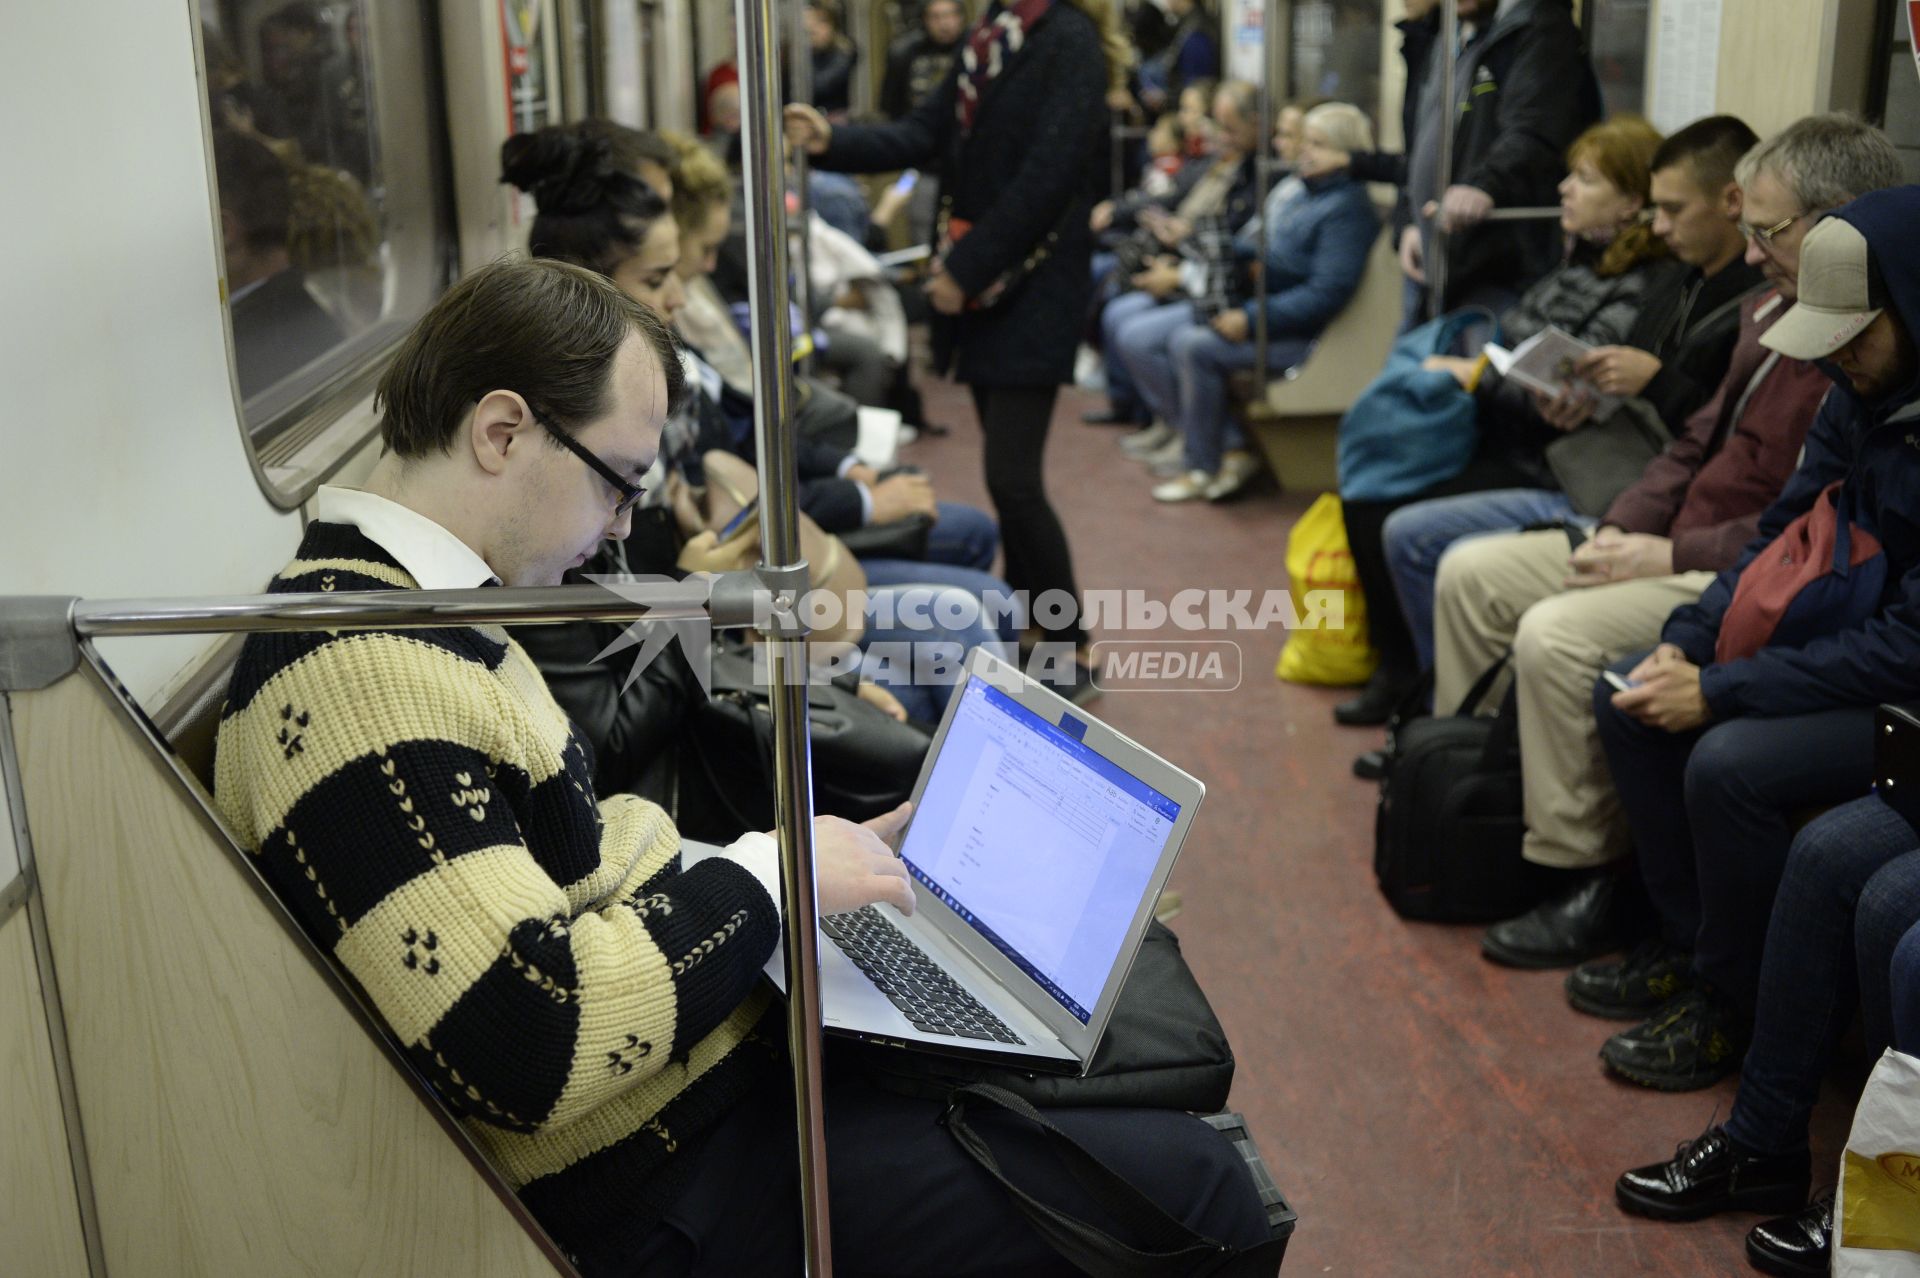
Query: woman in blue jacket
{"type": "Point", "coordinates": [1321, 225]}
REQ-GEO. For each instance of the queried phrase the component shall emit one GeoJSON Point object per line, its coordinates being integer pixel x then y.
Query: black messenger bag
{"type": "Point", "coordinates": [1163, 1049]}
{"type": "Point", "coordinates": [1447, 833]}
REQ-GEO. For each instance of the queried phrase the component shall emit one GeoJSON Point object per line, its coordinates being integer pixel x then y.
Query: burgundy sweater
{"type": "Point", "coordinates": [1707, 489]}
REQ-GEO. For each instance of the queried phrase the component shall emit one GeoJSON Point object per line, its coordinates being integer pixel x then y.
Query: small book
{"type": "Point", "coordinates": [1545, 363]}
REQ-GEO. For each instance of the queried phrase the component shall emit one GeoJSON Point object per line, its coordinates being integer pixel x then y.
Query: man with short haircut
{"type": "Point", "coordinates": [592, 1007]}
{"type": "Point", "coordinates": [1658, 546]}
{"type": "Point", "coordinates": [1676, 350]}
{"type": "Point", "coordinates": [1759, 702]}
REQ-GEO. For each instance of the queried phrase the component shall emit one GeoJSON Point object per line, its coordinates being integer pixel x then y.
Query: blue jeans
{"type": "Point", "coordinates": [1904, 985]}
{"type": "Point", "coordinates": [1416, 536]}
{"type": "Point", "coordinates": [1711, 813]}
{"type": "Point", "coordinates": [1202, 359]}
{"type": "Point", "coordinates": [1135, 330]}
{"type": "Point", "coordinates": [1835, 924]}
{"type": "Point", "coordinates": [964, 536]}
{"type": "Point", "coordinates": [921, 572]}
{"type": "Point", "coordinates": [917, 636]}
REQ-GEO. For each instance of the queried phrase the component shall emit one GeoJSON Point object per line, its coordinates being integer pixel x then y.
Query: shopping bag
{"type": "Point", "coordinates": [1876, 1218]}
{"type": "Point", "coordinates": [1318, 559]}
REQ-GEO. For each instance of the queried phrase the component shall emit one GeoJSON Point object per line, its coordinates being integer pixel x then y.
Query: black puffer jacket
{"type": "Point", "coordinates": [1031, 167]}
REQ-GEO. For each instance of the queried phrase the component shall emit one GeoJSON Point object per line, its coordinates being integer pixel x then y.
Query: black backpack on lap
{"type": "Point", "coordinates": [1446, 842]}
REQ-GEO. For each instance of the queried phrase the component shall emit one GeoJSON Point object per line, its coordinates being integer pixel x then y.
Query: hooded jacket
{"type": "Point", "coordinates": [1874, 448]}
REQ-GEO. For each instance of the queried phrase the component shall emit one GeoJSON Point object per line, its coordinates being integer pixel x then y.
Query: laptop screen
{"type": "Point", "coordinates": [1037, 842]}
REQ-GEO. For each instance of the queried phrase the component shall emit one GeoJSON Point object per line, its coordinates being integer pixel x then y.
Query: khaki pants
{"type": "Point", "coordinates": [1505, 591]}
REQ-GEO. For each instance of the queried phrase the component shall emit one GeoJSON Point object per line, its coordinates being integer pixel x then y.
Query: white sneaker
{"type": "Point", "coordinates": [1168, 459]}
{"type": "Point", "coordinates": [1089, 370]}
{"type": "Point", "coordinates": [1237, 470]}
{"type": "Point", "coordinates": [1141, 444]}
{"type": "Point", "coordinates": [1193, 484]}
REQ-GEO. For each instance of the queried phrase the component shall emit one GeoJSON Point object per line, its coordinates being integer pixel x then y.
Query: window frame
{"type": "Point", "coordinates": [307, 430]}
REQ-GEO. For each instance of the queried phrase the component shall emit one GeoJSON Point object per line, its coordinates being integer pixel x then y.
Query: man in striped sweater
{"type": "Point", "coordinates": [592, 1008]}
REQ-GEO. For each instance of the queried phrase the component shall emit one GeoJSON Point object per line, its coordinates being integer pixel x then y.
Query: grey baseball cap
{"type": "Point", "coordinates": [1840, 294]}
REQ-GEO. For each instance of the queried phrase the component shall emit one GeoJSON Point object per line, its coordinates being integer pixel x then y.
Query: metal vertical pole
{"type": "Point", "coordinates": [1262, 175]}
{"type": "Point", "coordinates": [800, 84]}
{"type": "Point", "coordinates": [1436, 253]}
{"type": "Point", "coordinates": [763, 174]}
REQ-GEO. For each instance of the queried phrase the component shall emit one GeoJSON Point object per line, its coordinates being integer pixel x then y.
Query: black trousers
{"type": "Point", "coordinates": [906, 1201]}
{"type": "Point", "coordinates": [1712, 815]}
{"type": "Point", "coordinates": [1014, 421]}
{"type": "Point", "coordinates": [1386, 624]}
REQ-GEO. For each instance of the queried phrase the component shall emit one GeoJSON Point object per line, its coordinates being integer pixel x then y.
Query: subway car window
{"type": "Point", "coordinates": [329, 171]}
{"type": "Point", "coordinates": [1899, 104]}
{"type": "Point", "coordinates": [1617, 36]}
{"type": "Point", "coordinates": [1335, 52]}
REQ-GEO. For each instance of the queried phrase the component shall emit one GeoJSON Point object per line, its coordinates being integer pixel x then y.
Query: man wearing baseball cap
{"type": "Point", "coordinates": [1721, 739]}
{"type": "Point", "coordinates": [1812, 696]}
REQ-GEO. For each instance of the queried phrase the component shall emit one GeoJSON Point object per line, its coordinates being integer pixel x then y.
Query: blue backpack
{"type": "Point", "coordinates": [1411, 428]}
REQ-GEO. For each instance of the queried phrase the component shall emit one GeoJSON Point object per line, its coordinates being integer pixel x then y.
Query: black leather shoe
{"type": "Point", "coordinates": [1794, 1245]}
{"type": "Point", "coordinates": [1371, 765]}
{"type": "Point", "coordinates": [1111, 417]}
{"type": "Point", "coordinates": [1568, 929]}
{"type": "Point", "coordinates": [1631, 988]}
{"type": "Point", "coordinates": [1708, 1175]}
{"type": "Point", "coordinates": [1693, 1042]}
{"type": "Point", "coordinates": [1375, 704]}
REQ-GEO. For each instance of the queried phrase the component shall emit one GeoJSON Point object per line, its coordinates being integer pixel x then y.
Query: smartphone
{"type": "Point", "coordinates": [739, 521]}
{"type": "Point", "coordinates": [1617, 680]}
{"type": "Point", "coordinates": [904, 183]}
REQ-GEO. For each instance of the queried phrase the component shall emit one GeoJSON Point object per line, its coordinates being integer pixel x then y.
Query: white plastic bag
{"type": "Point", "coordinates": [1877, 1216]}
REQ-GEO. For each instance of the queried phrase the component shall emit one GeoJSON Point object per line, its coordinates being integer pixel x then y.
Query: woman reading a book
{"type": "Point", "coordinates": [1613, 267]}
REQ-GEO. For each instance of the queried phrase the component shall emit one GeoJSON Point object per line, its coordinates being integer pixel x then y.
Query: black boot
{"type": "Point", "coordinates": [1377, 701]}
{"type": "Point", "coordinates": [1793, 1245]}
{"type": "Point", "coordinates": [1709, 1175]}
{"type": "Point", "coordinates": [1571, 927]}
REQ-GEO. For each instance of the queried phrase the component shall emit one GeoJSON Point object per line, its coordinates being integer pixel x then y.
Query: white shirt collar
{"type": "Point", "coordinates": [432, 556]}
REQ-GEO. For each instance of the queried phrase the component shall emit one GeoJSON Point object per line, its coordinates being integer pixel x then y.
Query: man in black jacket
{"type": "Point", "coordinates": [1523, 90]}
{"type": "Point", "coordinates": [917, 64]}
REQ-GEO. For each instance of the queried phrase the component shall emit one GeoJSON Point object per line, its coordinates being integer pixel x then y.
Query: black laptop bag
{"type": "Point", "coordinates": [1446, 842]}
{"type": "Point", "coordinates": [1163, 1049]}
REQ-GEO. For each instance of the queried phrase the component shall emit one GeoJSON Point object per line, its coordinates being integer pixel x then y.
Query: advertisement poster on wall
{"type": "Point", "coordinates": [1247, 53]}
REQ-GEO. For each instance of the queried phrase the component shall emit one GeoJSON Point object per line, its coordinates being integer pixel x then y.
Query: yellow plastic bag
{"type": "Point", "coordinates": [1318, 559]}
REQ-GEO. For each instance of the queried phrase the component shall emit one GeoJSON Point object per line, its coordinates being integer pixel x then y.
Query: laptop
{"type": "Point", "coordinates": [1039, 843]}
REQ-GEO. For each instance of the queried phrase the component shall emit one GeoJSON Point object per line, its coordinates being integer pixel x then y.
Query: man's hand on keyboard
{"type": "Point", "coordinates": [855, 866]}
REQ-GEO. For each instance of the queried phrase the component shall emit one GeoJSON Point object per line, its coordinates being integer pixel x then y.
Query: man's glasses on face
{"type": "Point", "coordinates": [1765, 234]}
{"type": "Point", "coordinates": [630, 493]}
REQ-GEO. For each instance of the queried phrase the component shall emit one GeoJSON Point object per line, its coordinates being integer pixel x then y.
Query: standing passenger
{"type": "Point", "coordinates": [1017, 131]}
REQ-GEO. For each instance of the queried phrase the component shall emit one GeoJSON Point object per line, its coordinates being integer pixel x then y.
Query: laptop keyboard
{"type": "Point", "coordinates": [898, 968]}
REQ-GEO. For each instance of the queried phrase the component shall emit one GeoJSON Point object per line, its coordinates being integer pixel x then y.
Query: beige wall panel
{"type": "Point", "coordinates": [1769, 61]}
{"type": "Point", "coordinates": [238, 1120]}
{"type": "Point", "coordinates": [39, 1219]}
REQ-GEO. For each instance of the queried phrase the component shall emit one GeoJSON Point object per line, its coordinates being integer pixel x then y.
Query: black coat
{"type": "Point", "coordinates": [1033, 165]}
{"type": "Point", "coordinates": [1529, 93]}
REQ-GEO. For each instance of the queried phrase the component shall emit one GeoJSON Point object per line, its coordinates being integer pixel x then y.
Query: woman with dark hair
{"type": "Point", "coordinates": [594, 213]}
{"type": "Point", "coordinates": [1018, 132]}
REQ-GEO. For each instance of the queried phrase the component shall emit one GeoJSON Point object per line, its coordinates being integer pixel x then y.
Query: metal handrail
{"type": "Point", "coordinates": [800, 85]}
{"type": "Point", "coordinates": [1262, 172]}
{"type": "Point", "coordinates": [395, 609]}
{"type": "Point", "coordinates": [761, 172]}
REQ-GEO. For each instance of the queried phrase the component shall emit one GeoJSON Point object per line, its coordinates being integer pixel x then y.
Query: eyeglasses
{"type": "Point", "coordinates": [630, 493]}
{"type": "Point", "coordinates": [1765, 234]}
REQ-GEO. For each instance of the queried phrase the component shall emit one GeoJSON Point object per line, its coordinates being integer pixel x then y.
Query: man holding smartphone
{"type": "Point", "coordinates": [1759, 701]}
